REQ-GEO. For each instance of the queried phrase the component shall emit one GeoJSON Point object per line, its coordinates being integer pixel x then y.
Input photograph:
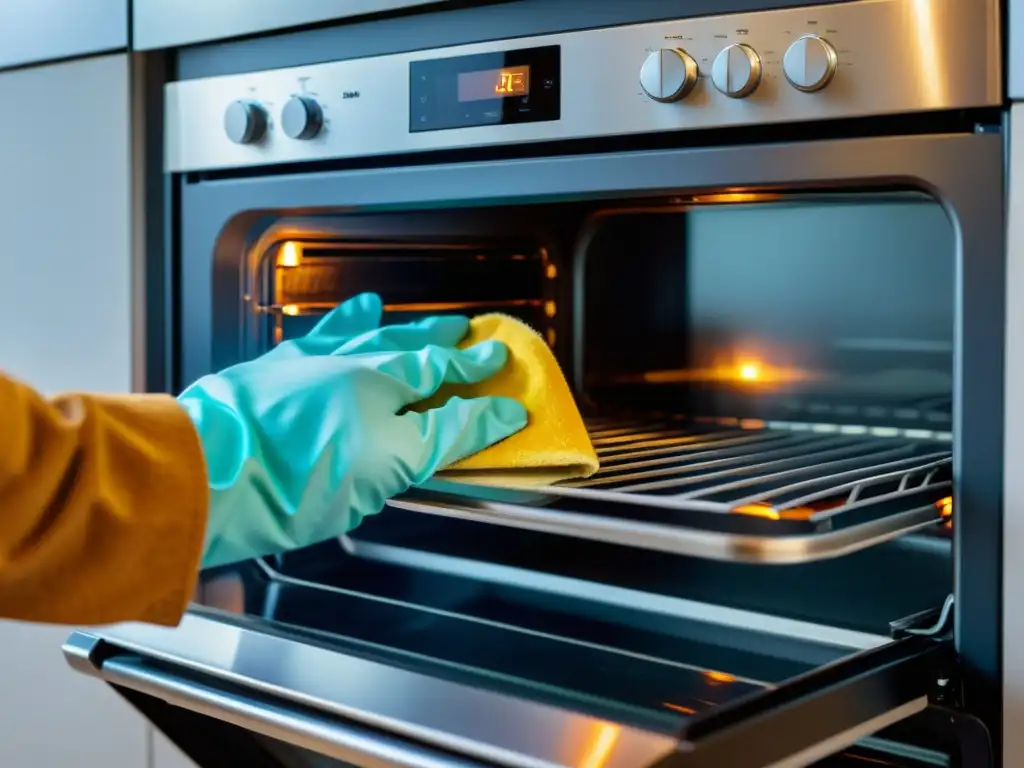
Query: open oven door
{"type": "Point", "coordinates": [301, 667]}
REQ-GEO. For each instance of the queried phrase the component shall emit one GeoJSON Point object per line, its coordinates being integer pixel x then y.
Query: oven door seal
{"type": "Point", "coordinates": [201, 667]}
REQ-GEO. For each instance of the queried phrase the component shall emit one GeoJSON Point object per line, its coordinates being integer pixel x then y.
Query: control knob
{"type": "Point", "coordinates": [668, 74]}
{"type": "Point", "coordinates": [736, 71]}
{"type": "Point", "coordinates": [245, 122]}
{"type": "Point", "coordinates": [809, 63]}
{"type": "Point", "coordinates": [301, 118]}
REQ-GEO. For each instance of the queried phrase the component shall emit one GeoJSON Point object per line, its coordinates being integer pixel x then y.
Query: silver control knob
{"type": "Point", "coordinates": [301, 118]}
{"type": "Point", "coordinates": [810, 63]}
{"type": "Point", "coordinates": [668, 74]}
{"type": "Point", "coordinates": [736, 71]}
{"type": "Point", "coordinates": [245, 122]}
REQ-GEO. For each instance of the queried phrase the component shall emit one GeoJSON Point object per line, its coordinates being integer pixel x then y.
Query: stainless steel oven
{"type": "Point", "coordinates": [767, 247]}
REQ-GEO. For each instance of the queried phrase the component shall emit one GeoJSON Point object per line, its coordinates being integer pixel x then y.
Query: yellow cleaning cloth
{"type": "Point", "coordinates": [554, 445]}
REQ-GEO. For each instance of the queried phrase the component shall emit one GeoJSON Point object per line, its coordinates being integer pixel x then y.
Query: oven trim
{"type": "Point", "coordinates": [599, 97]}
{"type": "Point", "coordinates": [1013, 582]}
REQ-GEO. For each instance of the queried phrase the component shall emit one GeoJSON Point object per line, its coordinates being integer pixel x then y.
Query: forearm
{"type": "Point", "coordinates": [103, 503]}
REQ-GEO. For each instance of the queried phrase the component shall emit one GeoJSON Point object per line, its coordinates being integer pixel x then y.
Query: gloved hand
{"type": "Point", "coordinates": [354, 328]}
{"type": "Point", "coordinates": [352, 318]}
{"type": "Point", "coordinates": [300, 448]}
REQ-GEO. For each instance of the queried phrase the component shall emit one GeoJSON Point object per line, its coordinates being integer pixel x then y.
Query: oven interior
{"type": "Point", "coordinates": [763, 366]}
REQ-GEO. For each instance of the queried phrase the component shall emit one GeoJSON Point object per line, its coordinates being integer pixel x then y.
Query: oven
{"type": "Point", "coordinates": [767, 248]}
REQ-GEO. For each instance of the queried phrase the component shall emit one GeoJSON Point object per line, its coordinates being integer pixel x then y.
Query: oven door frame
{"type": "Point", "coordinates": [962, 171]}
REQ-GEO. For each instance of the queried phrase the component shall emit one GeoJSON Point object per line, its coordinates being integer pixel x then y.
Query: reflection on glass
{"type": "Point", "coordinates": [604, 743]}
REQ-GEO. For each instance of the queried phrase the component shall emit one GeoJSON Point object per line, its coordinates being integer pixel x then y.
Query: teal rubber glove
{"type": "Point", "coordinates": [359, 315]}
{"type": "Point", "coordinates": [300, 449]}
{"type": "Point", "coordinates": [354, 328]}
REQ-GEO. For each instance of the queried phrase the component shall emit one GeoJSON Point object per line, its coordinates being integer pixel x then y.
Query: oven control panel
{"type": "Point", "coordinates": [851, 59]}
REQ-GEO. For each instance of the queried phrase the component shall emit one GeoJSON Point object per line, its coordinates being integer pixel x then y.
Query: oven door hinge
{"type": "Point", "coordinates": [937, 624]}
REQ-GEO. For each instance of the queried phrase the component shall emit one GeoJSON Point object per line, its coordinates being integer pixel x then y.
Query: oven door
{"type": "Point", "coordinates": [386, 661]}
{"type": "Point", "coordinates": [237, 694]}
{"type": "Point", "coordinates": [372, 651]}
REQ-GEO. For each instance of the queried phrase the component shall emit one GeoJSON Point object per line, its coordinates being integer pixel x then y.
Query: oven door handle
{"type": "Point", "coordinates": [820, 712]}
{"type": "Point", "coordinates": [332, 737]}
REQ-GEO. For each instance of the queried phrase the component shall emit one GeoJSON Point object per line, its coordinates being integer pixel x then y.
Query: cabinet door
{"type": "Point", "coordinates": [47, 30]}
{"type": "Point", "coordinates": [172, 23]}
{"type": "Point", "coordinates": [65, 300]}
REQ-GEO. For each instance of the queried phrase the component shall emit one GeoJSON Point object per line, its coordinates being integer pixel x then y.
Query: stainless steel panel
{"type": "Point", "coordinates": [171, 23]}
{"type": "Point", "coordinates": [44, 30]}
{"type": "Point", "coordinates": [474, 722]}
{"type": "Point", "coordinates": [340, 706]}
{"type": "Point", "coordinates": [324, 737]}
{"type": "Point", "coordinates": [894, 56]}
{"type": "Point", "coordinates": [373, 750]}
{"type": "Point", "coordinates": [1013, 481]}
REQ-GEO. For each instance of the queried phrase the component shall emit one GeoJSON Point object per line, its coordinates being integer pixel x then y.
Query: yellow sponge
{"type": "Point", "coordinates": [554, 445]}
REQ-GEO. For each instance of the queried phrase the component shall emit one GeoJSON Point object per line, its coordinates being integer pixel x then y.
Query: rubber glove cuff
{"type": "Point", "coordinates": [227, 447]}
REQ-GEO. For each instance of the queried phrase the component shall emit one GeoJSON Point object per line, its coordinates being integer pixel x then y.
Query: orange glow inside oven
{"type": "Point", "coordinates": [679, 708]}
{"type": "Point", "coordinates": [735, 197]}
{"type": "Point", "coordinates": [768, 512]}
{"type": "Point", "coordinates": [806, 512]}
{"type": "Point", "coordinates": [718, 678]}
{"type": "Point", "coordinates": [289, 254]}
{"type": "Point", "coordinates": [739, 369]}
{"type": "Point", "coordinates": [945, 506]}
{"type": "Point", "coordinates": [749, 371]}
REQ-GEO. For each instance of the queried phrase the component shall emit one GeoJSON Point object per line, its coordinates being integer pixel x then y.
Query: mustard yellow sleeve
{"type": "Point", "coordinates": [103, 503]}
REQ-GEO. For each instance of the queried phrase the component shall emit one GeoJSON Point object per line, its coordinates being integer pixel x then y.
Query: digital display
{"type": "Point", "coordinates": [494, 84]}
{"type": "Point", "coordinates": [485, 89]}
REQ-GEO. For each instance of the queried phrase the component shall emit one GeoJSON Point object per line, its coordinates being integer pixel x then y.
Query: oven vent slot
{"type": "Point", "coordinates": [746, 493]}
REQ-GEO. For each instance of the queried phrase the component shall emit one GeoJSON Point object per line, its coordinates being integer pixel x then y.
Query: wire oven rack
{"type": "Point", "coordinates": [749, 493]}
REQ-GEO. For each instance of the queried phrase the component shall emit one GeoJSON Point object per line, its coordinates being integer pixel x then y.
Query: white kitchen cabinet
{"type": "Point", "coordinates": [51, 30]}
{"type": "Point", "coordinates": [65, 323]}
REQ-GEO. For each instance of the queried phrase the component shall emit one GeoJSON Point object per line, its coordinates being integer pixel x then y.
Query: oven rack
{"type": "Point", "coordinates": [745, 492]}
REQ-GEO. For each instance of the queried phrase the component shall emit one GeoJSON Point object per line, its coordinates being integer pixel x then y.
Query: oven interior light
{"type": "Point", "coordinates": [749, 371]}
{"type": "Point", "coordinates": [289, 254]}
